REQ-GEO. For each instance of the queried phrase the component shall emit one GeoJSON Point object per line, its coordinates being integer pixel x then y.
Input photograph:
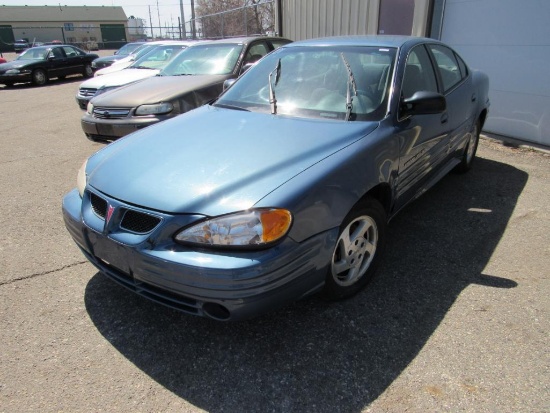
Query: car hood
{"type": "Point", "coordinates": [111, 58]}
{"type": "Point", "coordinates": [214, 161]}
{"type": "Point", "coordinates": [156, 89]}
{"type": "Point", "coordinates": [18, 64]}
{"type": "Point", "coordinates": [115, 67]}
{"type": "Point", "coordinates": [119, 78]}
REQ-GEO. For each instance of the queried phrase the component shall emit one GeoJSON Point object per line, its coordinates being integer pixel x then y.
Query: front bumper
{"type": "Point", "coordinates": [16, 78]}
{"type": "Point", "coordinates": [110, 129]}
{"type": "Point", "coordinates": [223, 285]}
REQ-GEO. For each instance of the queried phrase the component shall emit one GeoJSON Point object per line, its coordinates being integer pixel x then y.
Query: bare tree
{"type": "Point", "coordinates": [226, 18]}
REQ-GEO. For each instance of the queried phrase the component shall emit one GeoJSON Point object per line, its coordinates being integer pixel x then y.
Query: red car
{"type": "Point", "coordinates": [2, 60]}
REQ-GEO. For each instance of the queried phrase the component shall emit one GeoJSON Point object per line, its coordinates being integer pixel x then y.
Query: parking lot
{"type": "Point", "coordinates": [456, 320]}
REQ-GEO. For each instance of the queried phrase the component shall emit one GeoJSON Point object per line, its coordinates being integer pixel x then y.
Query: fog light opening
{"type": "Point", "coordinates": [217, 311]}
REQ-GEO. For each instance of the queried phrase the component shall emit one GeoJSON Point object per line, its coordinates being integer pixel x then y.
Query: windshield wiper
{"type": "Point", "coordinates": [142, 67]}
{"type": "Point", "coordinates": [272, 98]}
{"type": "Point", "coordinates": [351, 84]}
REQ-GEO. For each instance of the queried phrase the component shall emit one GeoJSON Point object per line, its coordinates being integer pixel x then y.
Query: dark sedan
{"type": "Point", "coordinates": [121, 53]}
{"type": "Point", "coordinates": [21, 45]}
{"type": "Point", "coordinates": [191, 79]}
{"type": "Point", "coordinates": [39, 64]}
{"type": "Point", "coordinates": [285, 185]}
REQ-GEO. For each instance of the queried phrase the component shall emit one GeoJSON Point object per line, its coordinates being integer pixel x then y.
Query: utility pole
{"type": "Point", "coordinates": [193, 29]}
{"type": "Point", "coordinates": [158, 14]}
{"type": "Point", "coordinates": [182, 24]}
{"type": "Point", "coordinates": [151, 22]}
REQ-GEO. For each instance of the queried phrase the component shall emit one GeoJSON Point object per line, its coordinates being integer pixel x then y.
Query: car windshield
{"type": "Point", "coordinates": [158, 57]}
{"type": "Point", "coordinates": [128, 48]}
{"type": "Point", "coordinates": [211, 59]}
{"type": "Point", "coordinates": [142, 50]}
{"type": "Point", "coordinates": [347, 83]}
{"type": "Point", "coordinates": [34, 53]}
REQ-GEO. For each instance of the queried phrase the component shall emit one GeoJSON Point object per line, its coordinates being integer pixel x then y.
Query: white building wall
{"type": "Point", "coordinates": [510, 41]}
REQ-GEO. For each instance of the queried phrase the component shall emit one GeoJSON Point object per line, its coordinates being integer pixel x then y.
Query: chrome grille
{"type": "Point", "coordinates": [139, 222]}
{"type": "Point", "coordinates": [110, 113]}
{"type": "Point", "coordinates": [87, 92]}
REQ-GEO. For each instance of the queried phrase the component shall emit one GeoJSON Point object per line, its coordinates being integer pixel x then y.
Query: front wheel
{"type": "Point", "coordinates": [358, 251]}
{"type": "Point", "coordinates": [39, 77]}
{"type": "Point", "coordinates": [470, 150]}
{"type": "Point", "coordinates": [88, 71]}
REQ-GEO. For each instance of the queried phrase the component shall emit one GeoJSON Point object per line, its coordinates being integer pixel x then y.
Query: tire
{"type": "Point", "coordinates": [39, 77]}
{"type": "Point", "coordinates": [470, 150]}
{"type": "Point", "coordinates": [357, 253]}
{"type": "Point", "coordinates": [88, 71]}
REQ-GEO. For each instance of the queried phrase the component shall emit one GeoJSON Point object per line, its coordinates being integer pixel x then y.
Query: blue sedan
{"type": "Point", "coordinates": [283, 187]}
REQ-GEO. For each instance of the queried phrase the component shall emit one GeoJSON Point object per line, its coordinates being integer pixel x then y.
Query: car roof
{"type": "Point", "coordinates": [374, 40]}
{"type": "Point", "coordinates": [245, 40]}
{"type": "Point", "coordinates": [51, 46]}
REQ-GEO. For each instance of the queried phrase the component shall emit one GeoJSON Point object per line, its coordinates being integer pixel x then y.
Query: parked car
{"type": "Point", "coordinates": [39, 64]}
{"type": "Point", "coordinates": [131, 58]}
{"type": "Point", "coordinates": [121, 53]}
{"type": "Point", "coordinates": [191, 79]}
{"type": "Point", "coordinates": [147, 66]}
{"type": "Point", "coordinates": [20, 45]}
{"type": "Point", "coordinates": [2, 60]}
{"type": "Point", "coordinates": [283, 186]}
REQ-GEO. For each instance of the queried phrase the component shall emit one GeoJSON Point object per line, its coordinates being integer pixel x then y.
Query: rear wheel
{"type": "Point", "coordinates": [88, 72]}
{"type": "Point", "coordinates": [470, 150]}
{"type": "Point", "coordinates": [39, 77]}
{"type": "Point", "coordinates": [357, 252]}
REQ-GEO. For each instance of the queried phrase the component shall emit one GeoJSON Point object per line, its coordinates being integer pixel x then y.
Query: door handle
{"type": "Point", "coordinates": [474, 97]}
{"type": "Point", "coordinates": [444, 118]}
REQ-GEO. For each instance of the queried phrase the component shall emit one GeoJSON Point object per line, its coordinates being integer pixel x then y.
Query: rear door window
{"type": "Point", "coordinates": [448, 66]}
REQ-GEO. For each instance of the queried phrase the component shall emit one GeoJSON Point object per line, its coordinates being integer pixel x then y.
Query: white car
{"type": "Point", "coordinates": [147, 66]}
{"type": "Point", "coordinates": [127, 61]}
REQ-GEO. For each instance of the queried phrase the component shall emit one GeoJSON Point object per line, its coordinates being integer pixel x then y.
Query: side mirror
{"type": "Point", "coordinates": [228, 83]}
{"type": "Point", "coordinates": [423, 103]}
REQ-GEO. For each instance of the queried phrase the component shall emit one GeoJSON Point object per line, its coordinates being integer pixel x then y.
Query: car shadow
{"type": "Point", "coordinates": [318, 356]}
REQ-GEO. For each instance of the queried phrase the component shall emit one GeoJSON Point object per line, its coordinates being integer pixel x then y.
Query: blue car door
{"type": "Point", "coordinates": [456, 85]}
{"type": "Point", "coordinates": [423, 139]}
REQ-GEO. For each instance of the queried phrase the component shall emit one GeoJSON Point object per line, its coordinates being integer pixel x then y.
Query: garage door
{"type": "Point", "coordinates": [510, 41]}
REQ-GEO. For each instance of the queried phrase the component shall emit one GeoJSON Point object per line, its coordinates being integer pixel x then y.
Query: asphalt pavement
{"type": "Point", "coordinates": [457, 319]}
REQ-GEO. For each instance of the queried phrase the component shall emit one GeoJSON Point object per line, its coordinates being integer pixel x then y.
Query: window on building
{"type": "Point", "coordinates": [69, 27]}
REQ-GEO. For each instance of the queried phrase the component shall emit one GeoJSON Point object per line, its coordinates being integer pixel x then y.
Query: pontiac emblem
{"type": "Point", "coordinates": [110, 211]}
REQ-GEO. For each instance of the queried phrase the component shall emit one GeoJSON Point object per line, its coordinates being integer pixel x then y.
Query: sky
{"type": "Point", "coordinates": [168, 10]}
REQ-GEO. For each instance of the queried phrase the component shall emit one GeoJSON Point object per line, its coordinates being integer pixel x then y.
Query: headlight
{"type": "Point", "coordinates": [257, 227]}
{"type": "Point", "coordinates": [156, 109]}
{"type": "Point", "coordinates": [90, 108]}
{"type": "Point", "coordinates": [81, 178]}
